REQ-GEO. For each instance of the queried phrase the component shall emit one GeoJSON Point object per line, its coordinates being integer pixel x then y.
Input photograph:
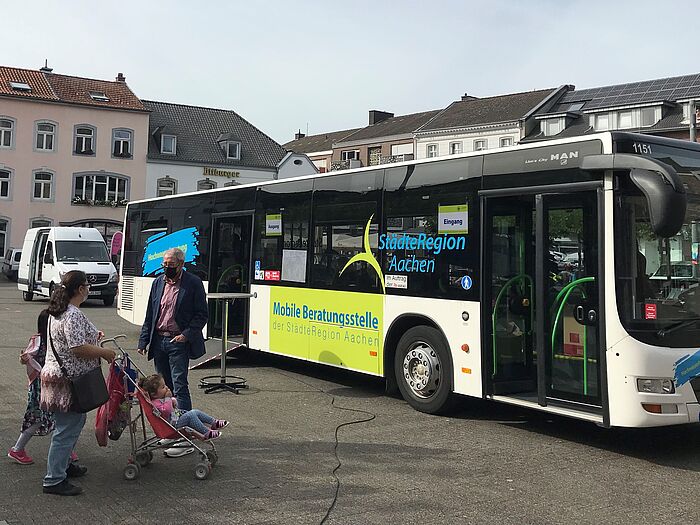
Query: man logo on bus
{"type": "Point", "coordinates": [367, 257]}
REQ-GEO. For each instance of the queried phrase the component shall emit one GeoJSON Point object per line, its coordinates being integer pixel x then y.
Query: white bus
{"type": "Point", "coordinates": [444, 276]}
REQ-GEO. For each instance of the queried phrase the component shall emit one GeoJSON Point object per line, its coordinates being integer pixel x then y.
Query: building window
{"type": "Point", "coordinates": [99, 96]}
{"type": "Point", "coordinates": [648, 116]}
{"type": "Point", "coordinates": [45, 136]}
{"type": "Point", "coordinates": [506, 141]}
{"type": "Point", "coordinates": [4, 228]}
{"type": "Point", "coordinates": [479, 144]}
{"type": "Point", "coordinates": [233, 150]}
{"type": "Point", "coordinates": [624, 120]}
{"type": "Point", "coordinates": [455, 148]}
{"type": "Point", "coordinates": [40, 222]}
{"type": "Point", "coordinates": [205, 184]}
{"type": "Point", "coordinates": [100, 190]}
{"type": "Point", "coordinates": [84, 140]}
{"type": "Point", "coordinates": [168, 144]}
{"type": "Point", "coordinates": [5, 184]}
{"type": "Point", "coordinates": [601, 122]}
{"type": "Point", "coordinates": [431, 151]}
{"type": "Point", "coordinates": [43, 186]}
{"type": "Point", "coordinates": [7, 127]}
{"type": "Point", "coordinates": [166, 186]}
{"type": "Point", "coordinates": [553, 126]}
{"type": "Point", "coordinates": [353, 154]}
{"type": "Point", "coordinates": [121, 143]}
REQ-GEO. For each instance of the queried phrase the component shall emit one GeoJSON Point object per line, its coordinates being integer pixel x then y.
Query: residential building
{"type": "Point", "coordinates": [72, 152]}
{"type": "Point", "coordinates": [658, 107]}
{"type": "Point", "coordinates": [192, 148]}
{"type": "Point", "coordinates": [386, 139]}
{"type": "Point", "coordinates": [473, 124]}
{"type": "Point", "coordinates": [319, 148]}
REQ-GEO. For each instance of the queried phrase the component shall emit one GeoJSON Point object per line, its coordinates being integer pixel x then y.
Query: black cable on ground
{"type": "Point", "coordinates": [337, 428]}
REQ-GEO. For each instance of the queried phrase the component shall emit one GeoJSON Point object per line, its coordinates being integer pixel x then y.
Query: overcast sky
{"type": "Point", "coordinates": [320, 65]}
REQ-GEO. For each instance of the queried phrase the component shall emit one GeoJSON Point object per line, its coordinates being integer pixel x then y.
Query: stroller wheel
{"type": "Point", "coordinates": [132, 471]}
{"type": "Point", "coordinates": [144, 458]}
{"type": "Point", "coordinates": [213, 457]}
{"type": "Point", "coordinates": [202, 470]}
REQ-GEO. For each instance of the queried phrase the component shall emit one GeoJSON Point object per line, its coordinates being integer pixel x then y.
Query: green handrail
{"type": "Point", "coordinates": [565, 292]}
{"type": "Point", "coordinates": [518, 278]}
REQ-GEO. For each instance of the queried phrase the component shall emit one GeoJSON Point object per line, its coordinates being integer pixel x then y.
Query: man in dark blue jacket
{"type": "Point", "coordinates": [172, 331]}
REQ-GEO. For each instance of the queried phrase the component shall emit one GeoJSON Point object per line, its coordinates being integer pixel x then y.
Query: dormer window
{"type": "Point", "coordinates": [552, 126]}
{"type": "Point", "coordinates": [233, 150]}
{"type": "Point", "coordinates": [99, 96]}
{"type": "Point", "coordinates": [168, 144]}
{"type": "Point", "coordinates": [20, 86]}
{"type": "Point", "coordinates": [230, 146]}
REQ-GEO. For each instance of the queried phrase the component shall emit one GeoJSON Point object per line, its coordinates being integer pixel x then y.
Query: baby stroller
{"type": "Point", "coordinates": [166, 435]}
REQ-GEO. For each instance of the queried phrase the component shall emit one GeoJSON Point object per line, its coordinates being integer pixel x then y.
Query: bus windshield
{"type": "Point", "coordinates": [658, 278]}
{"type": "Point", "coordinates": [81, 251]}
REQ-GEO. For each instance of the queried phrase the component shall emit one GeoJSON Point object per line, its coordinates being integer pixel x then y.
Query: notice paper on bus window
{"type": "Point", "coordinates": [453, 219]}
{"type": "Point", "coordinates": [294, 265]}
{"type": "Point", "coordinates": [273, 224]}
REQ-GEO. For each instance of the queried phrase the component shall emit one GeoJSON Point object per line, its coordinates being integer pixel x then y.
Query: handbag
{"type": "Point", "coordinates": [89, 390]}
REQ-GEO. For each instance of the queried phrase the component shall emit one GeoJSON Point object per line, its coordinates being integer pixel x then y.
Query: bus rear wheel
{"type": "Point", "coordinates": [27, 296]}
{"type": "Point", "coordinates": [423, 369]}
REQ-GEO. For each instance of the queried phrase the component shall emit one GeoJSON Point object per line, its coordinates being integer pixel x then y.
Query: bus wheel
{"type": "Point", "coordinates": [423, 369]}
{"type": "Point", "coordinates": [27, 296]}
{"type": "Point", "coordinates": [108, 300]}
{"type": "Point", "coordinates": [52, 287]}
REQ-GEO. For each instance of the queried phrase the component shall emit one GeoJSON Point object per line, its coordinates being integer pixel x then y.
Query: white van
{"type": "Point", "coordinates": [49, 253]}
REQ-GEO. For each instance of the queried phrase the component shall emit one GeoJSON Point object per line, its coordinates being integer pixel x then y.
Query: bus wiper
{"type": "Point", "coordinates": [678, 326]}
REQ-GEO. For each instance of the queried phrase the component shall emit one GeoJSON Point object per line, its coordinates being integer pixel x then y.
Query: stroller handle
{"type": "Point", "coordinates": [114, 341]}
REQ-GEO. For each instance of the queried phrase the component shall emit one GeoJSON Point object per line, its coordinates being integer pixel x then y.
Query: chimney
{"type": "Point", "coordinates": [467, 96]}
{"type": "Point", "coordinates": [375, 117]}
{"type": "Point", "coordinates": [120, 77]}
{"type": "Point", "coordinates": [299, 135]}
{"type": "Point", "coordinates": [46, 68]}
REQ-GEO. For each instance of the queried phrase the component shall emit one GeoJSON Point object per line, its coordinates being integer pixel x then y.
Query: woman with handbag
{"type": "Point", "coordinates": [71, 356]}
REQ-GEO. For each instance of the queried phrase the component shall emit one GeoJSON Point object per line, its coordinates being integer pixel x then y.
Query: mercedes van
{"type": "Point", "coordinates": [49, 253]}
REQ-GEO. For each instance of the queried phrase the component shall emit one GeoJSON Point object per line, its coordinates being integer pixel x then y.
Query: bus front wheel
{"type": "Point", "coordinates": [423, 369]}
{"type": "Point", "coordinates": [27, 296]}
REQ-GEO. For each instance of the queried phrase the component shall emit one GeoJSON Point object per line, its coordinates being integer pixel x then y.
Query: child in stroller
{"type": "Point", "coordinates": [162, 399]}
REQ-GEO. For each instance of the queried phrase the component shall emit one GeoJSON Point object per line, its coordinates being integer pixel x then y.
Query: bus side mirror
{"type": "Point", "coordinates": [666, 198]}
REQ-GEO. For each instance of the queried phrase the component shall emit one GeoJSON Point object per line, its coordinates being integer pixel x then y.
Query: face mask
{"type": "Point", "coordinates": [170, 273]}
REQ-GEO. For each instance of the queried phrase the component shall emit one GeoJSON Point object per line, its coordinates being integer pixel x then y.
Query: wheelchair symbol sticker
{"type": "Point", "coordinates": [466, 282]}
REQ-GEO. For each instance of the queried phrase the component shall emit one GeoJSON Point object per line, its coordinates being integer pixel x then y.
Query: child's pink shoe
{"type": "Point", "coordinates": [219, 423]}
{"type": "Point", "coordinates": [20, 456]}
{"type": "Point", "coordinates": [212, 434]}
{"type": "Point", "coordinates": [73, 457]}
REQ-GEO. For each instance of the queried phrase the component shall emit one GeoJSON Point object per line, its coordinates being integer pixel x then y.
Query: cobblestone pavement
{"type": "Point", "coordinates": [486, 464]}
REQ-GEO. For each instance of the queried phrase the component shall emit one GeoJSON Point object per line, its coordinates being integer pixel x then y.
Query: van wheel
{"type": "Point", "coordinates": [27, 296]}
{"type": "Point", "coordinates": [423, 369]}
{"type": "Point", "coordinates": [109, 300]}
{"type": "Point", "coordinates": [52, 288]}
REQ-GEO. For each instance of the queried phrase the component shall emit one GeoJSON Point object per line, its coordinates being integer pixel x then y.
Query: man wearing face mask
{"type": "Point", "coordinates": [172, 331]}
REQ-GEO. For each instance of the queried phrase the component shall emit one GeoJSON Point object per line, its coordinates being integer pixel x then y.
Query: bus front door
{"type": "Point", "coordinates": [541, 255]}
{"type": "Point", "coordinates": [509, 286]}
{"type": "Point", "coordinates": [229, 272]}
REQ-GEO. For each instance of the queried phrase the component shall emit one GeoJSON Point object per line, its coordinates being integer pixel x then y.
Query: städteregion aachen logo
{"type": "Point", "coordinates": [367, 256]}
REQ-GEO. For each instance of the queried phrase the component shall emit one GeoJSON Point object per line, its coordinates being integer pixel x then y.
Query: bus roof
{"type": "Point", "coordinates": [606, 138]}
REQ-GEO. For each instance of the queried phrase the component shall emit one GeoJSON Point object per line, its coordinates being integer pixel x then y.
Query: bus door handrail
{"type": "Point", "coordinates": [520, 277]}
{"type": "Point", "coordinates": [564, 294]}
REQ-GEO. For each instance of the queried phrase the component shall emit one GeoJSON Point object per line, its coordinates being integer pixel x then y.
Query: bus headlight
{"type": "Point", "coordinates": [114, 278]}
{"type": "Point", "coordinates": [655, 386]}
